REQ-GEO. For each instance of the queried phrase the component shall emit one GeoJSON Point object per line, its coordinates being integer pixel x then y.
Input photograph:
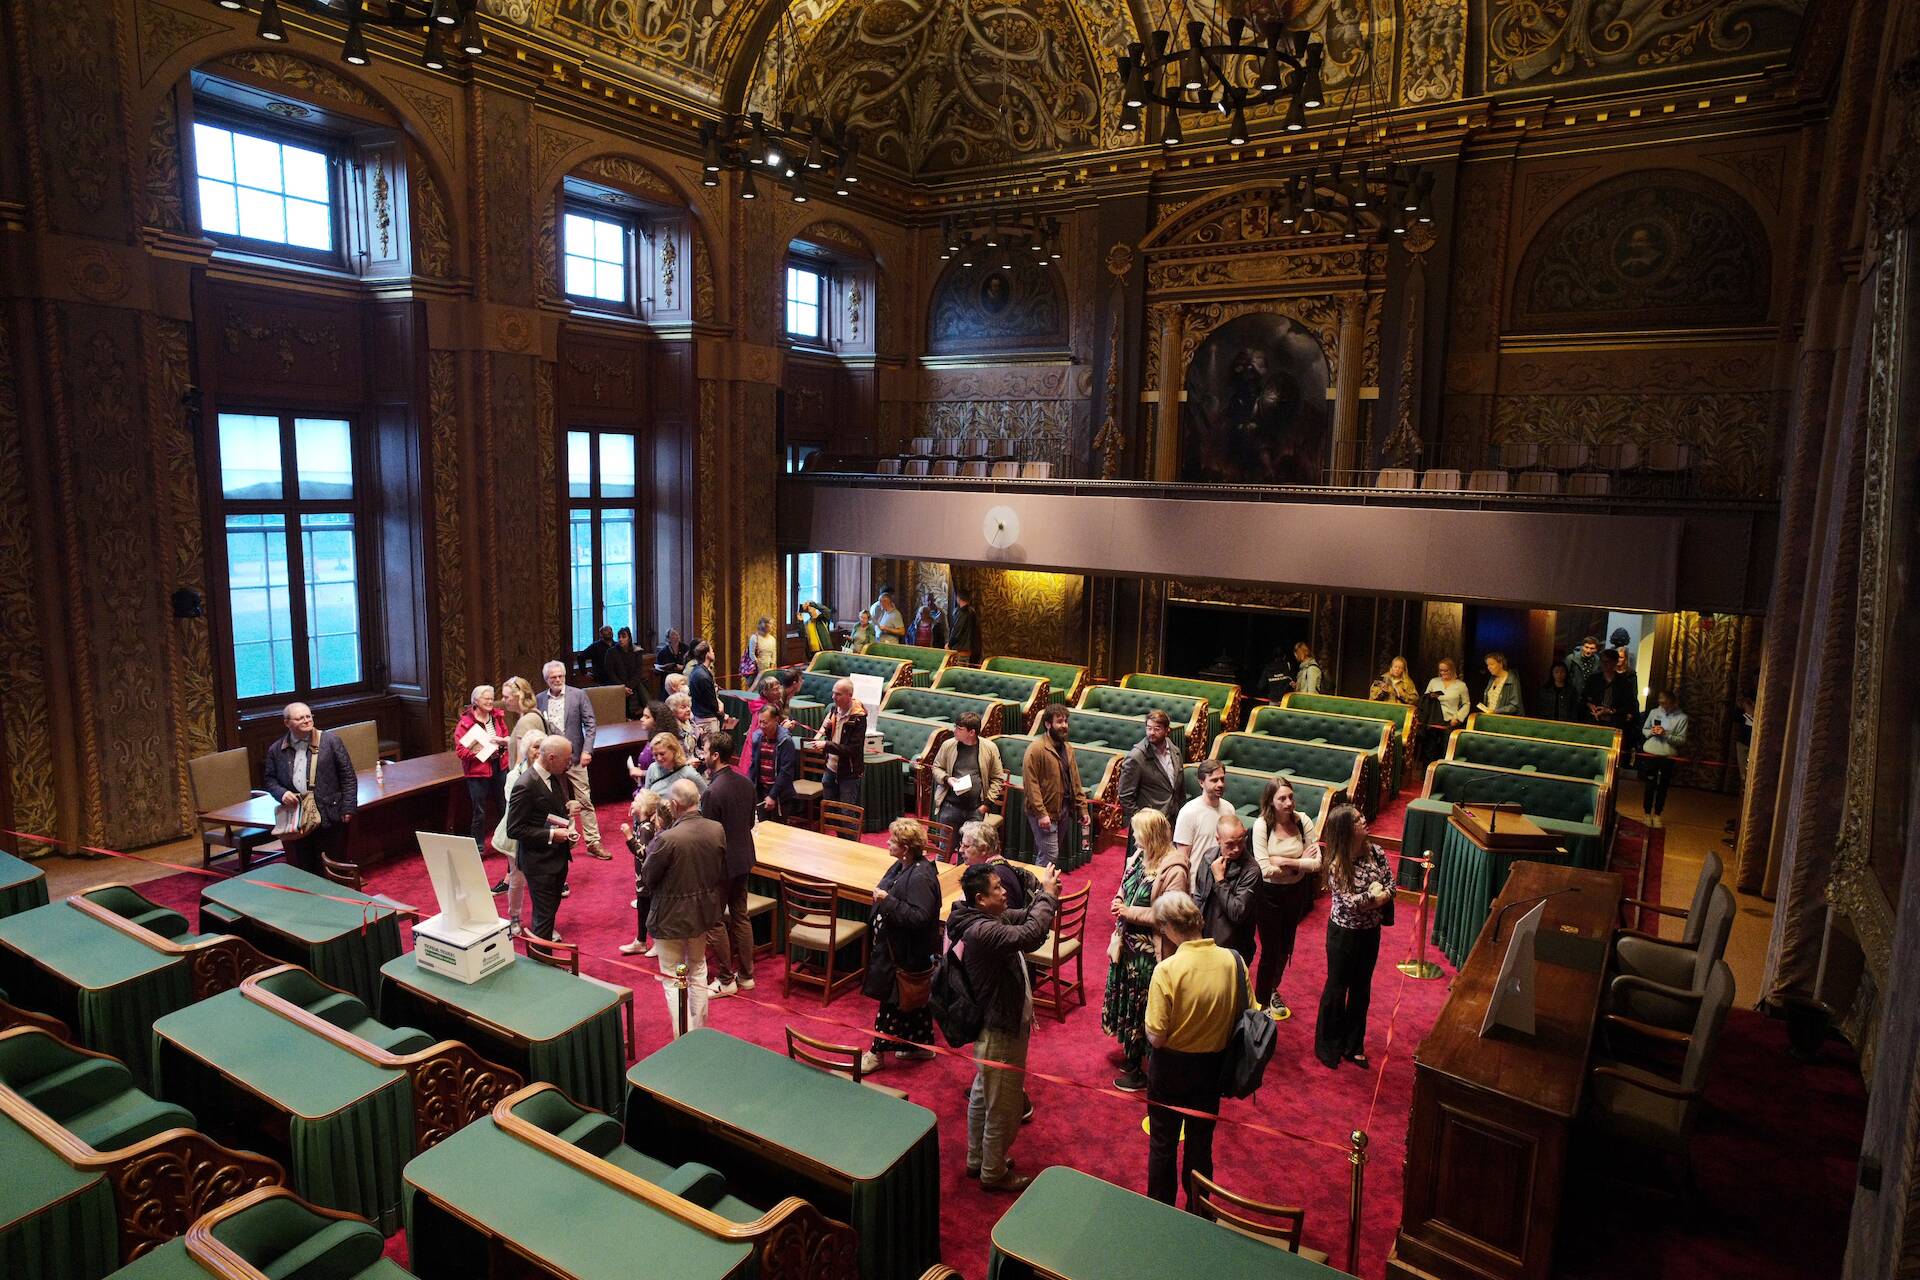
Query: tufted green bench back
{"type": "Point", "coordinates": [1320, 727]}
{"type": "Point", "coordinates": [1341, 766]}
{"type": "Point", "coordinates": [1531, 755]}
{"type": "Point", "coordinates": [1101, 729]}
{"type": "Point", "coordinates": [1401, 718]}
{"type": "Point", "coordinates": [1027, 694]}
{"type": "Point", "coordinates": [1562, 799]}
{"type": "Point", "coordinates": [938, 704]}
{"type": "Point", "coordinates": [1065, 678]}
{"type": "Point", "coordinates": [1592, 735]}
{"type": "Point", "coordinates": [1189, 715]}
{"type": "Point", "coordinates": [1092, 761]}
{"type": "Point", "coordinates": [833, 663]}
{"type": "Point", "coordinates": [911, 737]}
{"type": "Point", "coordinates": [1245, 785]}
{"type": "Point", "coordinates": [927, 662]}
{"type": "Point", "coordinates": [1223, 700]}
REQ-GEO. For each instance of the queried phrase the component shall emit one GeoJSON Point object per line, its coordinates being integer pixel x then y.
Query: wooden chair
{"type": "Point", "coordinates": [808, 786]}
{"type": "Point", "coordinates": [1649, 1108]}
{"type": "Point", "coordinates": [811, 911]}
{"type": "Point", "coordinates": [1440, 479]}
{"type": "Point", "coordinates": [1589, 484]}
{"type": "Point", "coordinates": [1394, 478]}
{"type": "Point", "coordinates": [1278, 1225]}
{"type": "Point", "coordinates": [343, 872]}
{"type": "Point", "coordinates": [1036, 471]}
{"type": "Point", "coordinates": [841, 1060]}
{"type": "Point", "coordinates": [609, 703]}
{"type": "Point", "coordinates": [1488, 481]}
{"type": "Point", "coordinates": [942, 840]}
{"type": "Point", "coordinates": [840, 819]}
{"type": "Point", "coordinates": [758, 906]}
{"type": "Point", "coordinates": [1004, 470]}
{"type": "Point", "coordinates": [1066, 945]}
{"type": "Point", "coordinates": [1519, 455]}
{"type": "Point", "coordinates": [565, 955]}
{"type": "Point", "coordinates": [939, 1271]}
{"type": "Point", "coordinates": [1539, 482]}
{"type": "Point", "coordinates": [216, 781]}
{"type": "Point", "coordinates": [362, 741]}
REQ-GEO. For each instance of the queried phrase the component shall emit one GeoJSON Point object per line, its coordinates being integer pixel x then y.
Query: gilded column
{"type": "Point", "coordinates": [1166, 433]}
{"type": "Point", "coordinates": [1346, 393]}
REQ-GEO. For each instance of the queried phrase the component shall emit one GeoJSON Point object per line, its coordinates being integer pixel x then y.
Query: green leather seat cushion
{"type": "Point", "coordinates": [287, 1241]}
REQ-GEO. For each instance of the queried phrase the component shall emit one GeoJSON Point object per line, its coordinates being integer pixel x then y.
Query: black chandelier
{"type": "Point", "coordinates": [1005, 236]}
{"type": "Point", "coordinates": [789, 153]}
{"type": "Point", "coordinates": [1222, 76]}
{"type": "Point", "coordinates": [449, 23]}
{"type": "Point", "coordinates": [1359, 201]}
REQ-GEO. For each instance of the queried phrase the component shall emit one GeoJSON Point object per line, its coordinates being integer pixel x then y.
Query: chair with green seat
{"type": "Point", "coordinates": [1189, 715]}
{"type": "Point", "coordinates": [928, 662]}
{"type": "Point", "coordinates": [1029, 694]}
{"type": "Point", "coordinates": [278, 1236]}
{"type": "Point", "coordinates": [1066, 678]}
{"type": "Point", "coordinates": [944, 705]}
{"type": "Point", "coordinates": [1103, 729]}
{"type": "Point", "coordinates": [342, 1009]}
{"type": "Point", "coordinates": [215, 962]}
{"type": "Point", "coordinates": [1592, 735]}
{"type": "Point", "coordinates": [1223, 698]}
{"type": "Point", "coordinates": [1099, 770]}
{"type": "Point", "coordinates": [131, 905]}
{"type": "Point", "coordinates": [1322, 728]}
{"type": "Point", "coordinates": [1244, 788]}
{"type": "Point", "coordinates": [914, 740]}
{"type": "Point", "coordinates": [1344, 769]}
{"type": "Point", "coordinates": [1532, 755]}
{"type": "Point", "coordinates": [90, 1095]}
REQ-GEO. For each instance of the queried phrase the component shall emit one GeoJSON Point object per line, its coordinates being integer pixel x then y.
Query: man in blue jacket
{"type": "Point", "coordinates": [773, 762]}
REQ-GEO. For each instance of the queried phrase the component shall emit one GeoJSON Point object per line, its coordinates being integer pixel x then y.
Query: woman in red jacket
{"type": "Point", "coordinates": [483, 758]}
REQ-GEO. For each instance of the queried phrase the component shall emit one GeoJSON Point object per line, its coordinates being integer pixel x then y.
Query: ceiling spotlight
{"type": "Point", "coordinates": [435, 56]}
{"type": "Point", "coordinates": [1192, 72]}
{"type": "Point", "coordinates": [749, 190]}
{"type": "Point", "coordinates": [1296, 115]}
{"type": "Point", "coordinates": [1311, 97]}
{"type": "Point", "coordinates": [270, 27]}
{"type": "Point", "coordinates": [1361, 196]}
{"type": "Point", "coordinates": [815, 159]}
{"type": "Point", "coordinates": [1170, 136]}
{"type": "Point", "coordinates": [1129, 119]}
{"type": "Point", "coordinates": [353, 50]}
{"type": "Point", "coordinates": [470, 39]}
{"type": "Point", "coordinates": [709, 149]}
{"type": "Point", "coordinates": [1237, 135]}
{"type": "Point", "coordinates": [239, 6]}
{"type": "Point", "coordinates": [1135, 93]}
{"type": "Point", "coordinates": [1270, 77]}
{"type": "Point", "coordinates": [445, 13]}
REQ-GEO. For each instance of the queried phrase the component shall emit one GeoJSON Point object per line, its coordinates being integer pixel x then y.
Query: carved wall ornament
{"type": "Point", "coordinates": [669, 267]}
{"type": "Point", "coordinates": [1541, 187]}
{"type": "Point", "coordinates": [1108, 441]}
{"type": "Point", "coordinates": [1582, 39]}
{"type": "Point", "coordinates": [829, 234]}
{"type": "Point", "coordinates": [383, 205]}
{"type": "Point", "coordinates": [515, 330]}
{"type": "Point", "coordinates": [435, 110]}
{"type": "Point", "coordinates": [293, 345]}
{"type": "Point", "coordinates": [1042, 430]}
{"type": "Point", "coordinates": [163, 31]}
{"type": "Point", "coordinates": [624, 171]}
{"type": "Point", "coordinates": [1762, 169]}
{"type": "Point", "coordinates": [705, 293]}
{"type": "Point", "coordinates": [1652, 249]}
{"type": "Point", "coordinates": [1732, 434]}
{"type": "Point", "coordinates": [511, 246]}
{"type": "Point", "coordinates": [28, 753]}
{"type": "Point", "coordinates": [427, 215]}
{"type": "Point", "coordinates": [443, 423]}
{"type": "Point", "coordinates": [1119, 258]}
{"type": "Point", "coordinates": [602, 373]}
{"type": "Point", "coordinates": [1004, 298]}
{"type": "Point", "coordinates": [310, 78]}
{"type": "Point", "coordinates": [1433, 51]}
{"type": "Point", "coordinates": [96, 274]}
{"type": "Point", "coordinates": [1240, 595]}
{"type": "Point", "coordinates": [164, 205]}
{"type": "Point", "coordinates": [855, 300]}
{"type": "Point", "coordinates": [670, 36]}
{"type": "Point", "coordinates": [552, 145]}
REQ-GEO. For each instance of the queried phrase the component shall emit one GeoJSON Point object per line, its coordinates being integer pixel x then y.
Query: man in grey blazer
{"type": "Point", "coordinates": [569, 713]}
{"type": "Point", "coordinates": [1151, 775]}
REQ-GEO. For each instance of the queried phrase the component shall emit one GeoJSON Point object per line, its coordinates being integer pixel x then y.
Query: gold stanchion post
{"type": "Point", "coordinates": [1417, 965]}
{"type": "Point", "coordinates": [1357, 1157]}
{"type": "Point", "coordinates": [680, 980]}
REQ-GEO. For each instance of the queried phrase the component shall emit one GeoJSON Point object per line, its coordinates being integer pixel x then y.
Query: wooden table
{"type": "Point", "coordinates": [855, 867]}
{"type": "Point", "coordinates": [426, 793]}
{"type": "Point", "coordinates": [1487, 1140]}
{"type": "Point", "coordinates": [614, 747]}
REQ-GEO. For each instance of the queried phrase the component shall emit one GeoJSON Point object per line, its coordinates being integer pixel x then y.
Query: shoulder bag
{"type": "Point", "coordinates": [1250, 1044]}
{"type": "Point", "coordinates": [309, 819]}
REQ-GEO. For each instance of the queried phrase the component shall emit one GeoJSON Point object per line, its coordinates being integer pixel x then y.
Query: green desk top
{"type": "Point", "coordinates": [1072, 1224]}
{"type": "Point", "coordinates": [531, 1000]}
{"type": "Point", "coordinates": [171, 1261]}
{"type": "Point", "coordinates": [309, 918]}
{"type": "Point", "coordinates": [281, 1061]}
{"type": "Point", "coordinates": [66, 941]}
{"type": "Point", "coordinates": [858, 1132]}
{"type": "Point", "coordinates": [14, 871]}
{"type": "Point", "coordinates": [570, 1220]}
{"type": "Point", "coordinates": [36, 1178]}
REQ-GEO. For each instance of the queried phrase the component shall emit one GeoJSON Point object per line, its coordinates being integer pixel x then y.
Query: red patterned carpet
{"type": "Point", "coordinates": [1087, 1125]}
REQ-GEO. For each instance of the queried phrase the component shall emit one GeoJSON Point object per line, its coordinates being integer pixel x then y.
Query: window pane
{"type": "Point", "coordinates": [262, 617]}
{"type": "Point", "coordinates": [807, 577]}
{"type": "Point", "coordinates": [580, 276]}
{"type": "Point", "coordinates": [609, 242]}
{"type": "Point", "coordinates": [580, 542]}
{"type": "Point", "coordinates": [333, 603]}
{"type": "Point", "coordinates": [323, 452]}
{"type": "Point", "coordinates": [616, 465]}
{"type": "Point", "coordinates": [262, 216]}
{"type": "Point", "coordinates": [256, 162]}
{"type": "Point", "coordinates": [579, 464]}
{"type": "Point", "coordinates": [616, 557]}
{"type": "Point", "coordinates": [217, 209]}
{"type": "Point", "coordinates": [249, 456]}
{"type": "Point", "coordinates": [213, 152]}
{"type": "Point", "coordinates": [309, 225]}
{"type": "Point", "coordinates": [306, 173]}
{"type": "Point", "coordinates": [579, 235]}
{"type": "Point", "coordinates": [610, 282]}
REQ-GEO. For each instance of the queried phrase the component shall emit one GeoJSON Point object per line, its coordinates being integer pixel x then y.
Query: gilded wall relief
{"type": "Point", "coordinates": [511, 246]}
{"type": "Point", "coordinates": [432, 232]}
{"type": "Point", "coordinates": [1031, 615]}
{"type": "Point", "coordinates": [1531, 40]}
{"type": "Point", "coordinates": [1731, 434]}
{"type": "Point", "coordinates": [664, 35]}
{"type": "Point", "coordinates": [449, 554]}
{"type": "Point", "coordinates": [1482, 197]}
{"type": "Point", "coordinates": [1652, 249]}
{"type": "Point", "coordinates": [435, 110]}
{"type": "Point", "coordinates": [1006, 299]}
{"type": "Point", "coordinates": [163, 204]}
{"type": "Point", "coordinates": [545, 433]}
{"type": "Point", "coordinates": [1256, 408]}
{"type": "Point", "coordinates": [79, 108]}
{"type": "Point", "coordinates": [28, 749]}
{"type": "Point", "coordinates": [310, 79]}
{"type": "Point", "coordinates": [163, 31]}
{"type": "Point", "coordinates": [1433, 51]}
{"type": "Point", "coordinates": [1042, 430]}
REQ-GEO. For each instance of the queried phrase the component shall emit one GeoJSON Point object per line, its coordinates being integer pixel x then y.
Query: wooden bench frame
{"type": "Point", "coordinates": [221, 1262]}
{"type": "Point", "coordinates": [215, 963]}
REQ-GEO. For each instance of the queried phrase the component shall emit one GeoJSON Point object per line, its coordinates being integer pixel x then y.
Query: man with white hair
{"type": "Point", "coordinates": [306, 761]}
{"type": "Point", "coordinates": [569, 713]}
{"type": "Point", "coordinates": [540, 819]}
{"type": "Point", "coordinates": [843, 736]}
{"type": "Point", "coordinates": [684, 877]}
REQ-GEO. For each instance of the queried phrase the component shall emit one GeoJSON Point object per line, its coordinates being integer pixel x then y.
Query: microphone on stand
{"type": "Point", "coordinates": [1501, 919]}
{"type": "Point", "coordinates": [1493, 812]}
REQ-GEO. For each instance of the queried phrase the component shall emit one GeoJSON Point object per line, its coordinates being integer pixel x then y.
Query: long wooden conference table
{"type": "Point", "coordinates": [856, 868]}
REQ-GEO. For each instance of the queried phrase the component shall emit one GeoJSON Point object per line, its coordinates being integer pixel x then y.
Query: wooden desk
{"type": "Point", "coordinates": [426, 793]}
{"type": "Point", "coordinates": [1487, 1139]}
{"type": "Point", "coordinates": [855, 867]}
{"type": "Point", "coordinates": [614, 747]}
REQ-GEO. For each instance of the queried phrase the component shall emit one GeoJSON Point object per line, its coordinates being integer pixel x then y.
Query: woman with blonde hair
{"type": "Point", "coordinates": [763, 652]}
{"type": "Point", "coordinates": [670, 764]}
{"type": "Point", "coordinates": [1136, 944]}
{"type": "Point", "coordinates": [1395, 685]}
{"type": "Point", "coordinates": [906, 935]}
{"type": "Point", "coordinates": [644, 822]}
{"type": "Point", "coordinates": [516, 699]}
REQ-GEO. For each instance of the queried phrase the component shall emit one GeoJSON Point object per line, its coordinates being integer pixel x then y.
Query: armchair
{"type": "Point", "coordinates": [1662, 983]}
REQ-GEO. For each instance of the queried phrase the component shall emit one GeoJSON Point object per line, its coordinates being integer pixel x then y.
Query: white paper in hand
{"type": "Point", "coordinates": [479, 740]}
{"type": "Point", "coordinates": [961, 783]}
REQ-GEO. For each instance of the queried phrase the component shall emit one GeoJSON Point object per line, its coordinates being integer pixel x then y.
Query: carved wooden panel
{"type": "Point", "coordinates": [27, 748]}
{"type": "Point", "coordinates": [602, 378]}
{"type": "Point", "coordinates": [280, 345]}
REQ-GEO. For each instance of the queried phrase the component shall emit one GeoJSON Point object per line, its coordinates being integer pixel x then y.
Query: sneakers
{"type": "Point", "coordinates": [722, 989]}
{"type": "Point", "coordinates": [1277, 1008]}
{"type": "Point", "coordinates": [501, 887]}
{"type": "Point", "coordinates": [566, 891]}
{"type": "Point", "coordinates": [1134, 1081]}
{"type": "Point", "coordinates": [633, 948]}
{"type": "Point", "coordinates": [1656, 822]}
{"type": "Point", "coordinates": [915, 1055]}
{"type": "Point", "coordinates": [652, 951]}
{"type": "Point", "coordinates": [744, 981]}
{"type": "Point", "coordinates": [633, 904]}
{"type": "Point", "coordinates": [869, 1062]}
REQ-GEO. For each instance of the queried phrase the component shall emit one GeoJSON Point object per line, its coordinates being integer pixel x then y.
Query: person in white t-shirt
{"type": "Point", "coordinates": [1448, 704]}
{"type": "Point", "coordinates": [1196, 832]}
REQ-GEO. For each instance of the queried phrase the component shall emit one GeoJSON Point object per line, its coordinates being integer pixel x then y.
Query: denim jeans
{"type": "Point", "coordinates": [1046, 841]}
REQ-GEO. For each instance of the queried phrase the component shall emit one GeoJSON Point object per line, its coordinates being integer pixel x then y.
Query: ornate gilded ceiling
{"type": "Point", "coordinates": [945, 87]}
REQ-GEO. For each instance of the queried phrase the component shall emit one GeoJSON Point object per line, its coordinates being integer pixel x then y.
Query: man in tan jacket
{"type": "Point", "coordinates": [1051, 779]}
{"type": "Point", "coordinates": [968, 778]}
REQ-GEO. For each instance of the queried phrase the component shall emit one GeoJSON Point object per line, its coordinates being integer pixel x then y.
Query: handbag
{"type": "Point", "coordinates": [911, 988]}
{"type": "Point", "coordinates": [1250, 1044]}
{"type": "Point", "coordinates": [309, 820]}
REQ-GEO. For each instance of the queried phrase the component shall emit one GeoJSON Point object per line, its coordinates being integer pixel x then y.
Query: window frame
{"type": "Point", "coordinates": [292, 509]}
{"type": "Point", "coordinates": [633, 228]}
{"type": "Point", "coordinates": [790, 570]}
{"type": "Point", "coordinates": [823, 271]}
{"type": "Point", "coordinates": [597, 505]}
{"type": "Point", "coordinates": [335, 147]}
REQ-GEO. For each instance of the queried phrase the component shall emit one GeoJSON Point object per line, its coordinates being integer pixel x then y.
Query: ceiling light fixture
{"type": "Point", "coordinates": [1246, 68]}
{"type": "Point", "coordinates": [439, 20]}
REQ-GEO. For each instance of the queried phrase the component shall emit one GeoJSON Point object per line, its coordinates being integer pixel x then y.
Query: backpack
{"type": "Point", "coordinates": [955, 1010]}
{"type": "Point", "coordinates": [1250, 1046]}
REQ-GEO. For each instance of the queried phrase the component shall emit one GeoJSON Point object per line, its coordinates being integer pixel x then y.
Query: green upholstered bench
{"type": "Point", "coordinates": [1572, 808]}
{"type": "Point", "coordinates": [914, 739]}
{"type": "Point", "coordinates": [1532, 755]}
{"type": "Point", "coordinates": [283, 1237]}
{"type": "Point", "coordinates": [818, 686]}
{"type": "Point", "coordinates": [90, 1095]}
{"type": "Point", "coordinates": [1346, 769]}
{"type": "Point", "coordinates": [1189, 715]}
{"type": "Point", "coordinates": [1322, 728]}
{"type": "Point", "coordinates": [832, 662]}
{"type": "Point", "coordinates": [941, 704]}
{"type": "Point", "coordinates": [927, 662]}
{"type": "Point", "coordinates": [1027, 693]}
{"type": "Point", "coordinates": [1099, 728]}
{"type": "Point", "coordinates": [1223, 699]}
{"type": "Point", "coordinates": [1065, 677]}
{"type": "Point", "coordinates": [1399, 717]}
{"type": "Point", "coordinates": [342, 1009]}
{"type": "Point", "coordinates": [1244, 787]}
{"type": "Point", "coordinates": [1592, 735]}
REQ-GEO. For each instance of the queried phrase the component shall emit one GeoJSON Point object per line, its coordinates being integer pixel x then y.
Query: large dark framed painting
{"type": "Point", "coordinates": [1257, 410]}
{"type": "Point", "coordinates": [1003, 300]}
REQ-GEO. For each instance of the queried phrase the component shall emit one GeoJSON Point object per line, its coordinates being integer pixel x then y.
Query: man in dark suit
{"type": "Point", "coordinates": [307, 759]}
{"type": "Point", "coordinates": [1224, 887]}
{"type": "Point", "coordinates": [540, 818]}
{"type": "Point", "coordinates": [684, 878]}
{"type": "Point", "coordinates": [963, 625]}
{"type": "Point", "coordinates": [729, 802]}
{"type": "Point", "coordinates": [569, 712]}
